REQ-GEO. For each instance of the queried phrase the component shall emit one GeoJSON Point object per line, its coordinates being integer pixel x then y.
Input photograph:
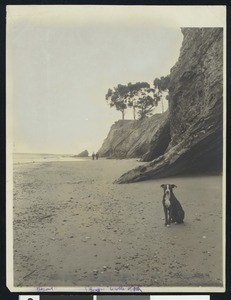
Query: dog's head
{"type": "Point", "coordinates": [168, 188]}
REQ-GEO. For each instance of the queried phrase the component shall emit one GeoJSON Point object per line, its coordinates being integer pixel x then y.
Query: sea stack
{"type": "Point", "coordinates": [83, 154]}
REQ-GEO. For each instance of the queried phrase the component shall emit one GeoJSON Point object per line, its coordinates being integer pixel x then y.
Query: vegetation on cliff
{"type": "Point", "coordinates": [140, 96]}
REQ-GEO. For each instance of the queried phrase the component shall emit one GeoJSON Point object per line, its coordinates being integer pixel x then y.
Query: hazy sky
{"type": "Point", "coordinates": [61, 60]}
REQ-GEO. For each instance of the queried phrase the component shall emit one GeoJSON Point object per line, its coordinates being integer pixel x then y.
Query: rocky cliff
{"type": "Point", "coordinates": [146, 139]}
{"type": "Point", "coordinates": [195, 110]}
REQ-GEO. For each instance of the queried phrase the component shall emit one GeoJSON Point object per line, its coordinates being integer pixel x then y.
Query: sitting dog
{"type": "Point", "coordinates": [173, 210]}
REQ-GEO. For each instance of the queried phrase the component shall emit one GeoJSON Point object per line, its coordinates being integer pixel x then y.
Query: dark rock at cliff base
{"type": "Point", "coordinates": [160, 140]}
{"type": "Point", "coordinates": [83, 154]}
{"type": "Point", "coordinates": [146, 138]}
{"type": "Point", "coordinates": [195, 110]}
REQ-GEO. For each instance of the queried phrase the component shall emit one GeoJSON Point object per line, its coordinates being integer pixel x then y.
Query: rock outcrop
{"type": "Point", "coordinates": [146, 139]}
{"type": "Point", "coordinates": [195, 110]}
{"type": "Point", "coordinates": [82, 154]}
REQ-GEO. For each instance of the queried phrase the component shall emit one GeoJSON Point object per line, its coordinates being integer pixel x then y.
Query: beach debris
{"type": "Point", "coordinates": [105, 268]}
{"type": "Point", "coordinates": [48, 216]}
{"type": "Point", "coordinates": [87, 237]}
{"type": "Point", "coordinates": [204, 236]}
{"type": "Point", "coordinates": [95, 272]}
{"type": "Point", "coordinates": [29, 274]}
{"type": "Point", "coordinates": [71, 237]}
{"type": "Point", "coordinates": [126, 265]}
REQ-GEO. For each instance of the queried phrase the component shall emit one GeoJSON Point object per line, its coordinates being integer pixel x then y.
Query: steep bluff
{"type": "Point", "coordinates": [146, 139]}
{"type": "Point", "coordinates": [195, 110]}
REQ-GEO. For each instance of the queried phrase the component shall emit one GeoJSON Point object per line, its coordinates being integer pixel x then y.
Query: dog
{"type": "Point", "coordinates": [173, 210]}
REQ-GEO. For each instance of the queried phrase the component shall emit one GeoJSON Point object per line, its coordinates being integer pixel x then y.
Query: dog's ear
{"type": "Point", "coordinates": [162, 185]}
{"type": "Point", "coordinates": [174, 186]}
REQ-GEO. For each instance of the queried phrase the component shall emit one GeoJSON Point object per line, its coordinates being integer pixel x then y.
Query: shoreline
{"type": "Point", "coordinates": [76, 228]}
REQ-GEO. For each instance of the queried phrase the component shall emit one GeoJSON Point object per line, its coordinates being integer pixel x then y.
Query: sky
{"type": "Point", "coordinates": [61, 61]}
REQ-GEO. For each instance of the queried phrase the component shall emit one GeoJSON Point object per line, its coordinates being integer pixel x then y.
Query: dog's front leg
{"type": "Point", "coordinates": [166, 216]}
{"type": "Point", "coordinates": [171, 216]}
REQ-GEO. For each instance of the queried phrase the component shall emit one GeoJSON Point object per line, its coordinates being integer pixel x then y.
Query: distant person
{"type": "Point", "coordinates": [97, 156]}
{"type": "Point", "coordinates": [93, 155]}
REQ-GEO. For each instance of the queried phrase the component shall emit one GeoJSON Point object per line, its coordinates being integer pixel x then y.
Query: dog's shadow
{"type": "Point", "coordinates": [178, 226]}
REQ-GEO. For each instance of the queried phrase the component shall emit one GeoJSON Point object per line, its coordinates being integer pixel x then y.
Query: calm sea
{"type": "Point", "coordinates": [39, 157]}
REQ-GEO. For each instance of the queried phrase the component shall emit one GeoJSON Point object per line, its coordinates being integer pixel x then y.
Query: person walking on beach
{"type": "Point", "coordinates": [97, 156]}
{"type": "Point", "coordinates": [93, 155]}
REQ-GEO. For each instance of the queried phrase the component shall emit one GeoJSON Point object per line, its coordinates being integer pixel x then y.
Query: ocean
{"type": "Point", "coordinates": [41, 157]}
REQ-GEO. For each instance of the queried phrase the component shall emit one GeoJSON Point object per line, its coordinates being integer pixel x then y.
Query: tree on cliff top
{"type": "Point", "coordinates": [148, 99]}
{"type": "Point", "coordinates": [117, 97]}
{"type": "Point", "coordinates": [161, 85]}
{"type": "Point", "coordinates": [134, 94]}
{"type": "Point", "coordinates": [145, 106]}
{"type": "Point", "coordinates": [138, 96]}
{"type": "Point", "coordinates": [143, 99]}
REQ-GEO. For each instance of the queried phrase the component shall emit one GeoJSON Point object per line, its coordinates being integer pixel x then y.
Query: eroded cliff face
{"type": "Point", "coordinates": [146, 139]}
{"type": "Point", "coordinates": [195, 110]}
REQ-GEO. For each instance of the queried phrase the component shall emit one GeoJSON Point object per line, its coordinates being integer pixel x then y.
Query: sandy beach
{"type": "Point", "coordinates": [74, 227]}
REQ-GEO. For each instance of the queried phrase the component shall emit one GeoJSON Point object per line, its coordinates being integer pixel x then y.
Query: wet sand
{"type": "Point", "coordinates": [74, 227]}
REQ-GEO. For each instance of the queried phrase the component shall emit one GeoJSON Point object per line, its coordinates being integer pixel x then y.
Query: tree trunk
{"type": "Point", "coordinates": [122, 111]}
{"type": "Point", "coordinates": [134, 112]}
{"type": "Point", "coordinates": [162, 102]}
